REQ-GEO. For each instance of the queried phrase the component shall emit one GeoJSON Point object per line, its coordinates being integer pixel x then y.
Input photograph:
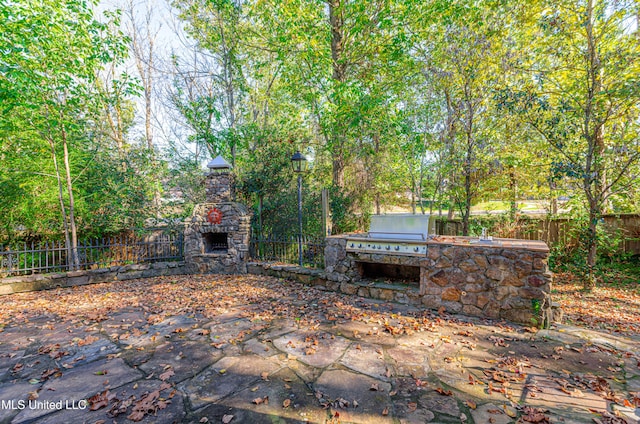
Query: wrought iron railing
{"type": "Point", "coordinates": [35, 258]}
{"type": "Point", "coordinates": [278, 248]}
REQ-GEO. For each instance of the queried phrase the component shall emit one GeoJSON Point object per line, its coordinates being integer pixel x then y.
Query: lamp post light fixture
{"type": "Point", "coordinates": [299, 164]}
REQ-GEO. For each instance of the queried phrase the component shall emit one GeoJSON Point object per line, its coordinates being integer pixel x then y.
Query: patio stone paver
{"type": "Point", "coordinates": [16, 394]}
{"type": "Point", "coordinates": [367, 359]}
{"type": "Point", "coordinates": [336, 385]}
{"type": "Point", "coordinates": [312, 348]}
{"type": "Point", "coordinates": [174, 412]}
{"type": "Point", "coordinates": [313, 365]}
{"type": "Point", "coordinates": [490, 413]}
{"type": "Point", "coordinates": [184, 358]}
{"type": "Point", "coordinates": [225, 378]}
{"type": "Point", "coordinates": [80, 383]}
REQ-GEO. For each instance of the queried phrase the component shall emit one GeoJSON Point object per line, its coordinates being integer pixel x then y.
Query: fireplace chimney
{"type": "Point", "coordinates": [218, 182]}
{"type": "Point", "coordinates": [216, 237]}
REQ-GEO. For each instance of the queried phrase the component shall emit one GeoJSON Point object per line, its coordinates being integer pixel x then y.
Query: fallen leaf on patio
{"type": "Point", "coordinates": [103, 372]}
{"type": "Point", "coordinates": [286, 403]}
{"type": "Point", "coordinates": [412, 406]}
{"type": "Point", "coordinates": [166, 375]}
{"type": "Point", "coordinates": [120, 406]}
{"type": "Point", "coordinates": [510, 411]}
{"type": "Point", "coordinates": [385, 412]}
{"type": "Point", "coordinates": [471, 404]}
{"type": "Point", "coordinates": [99, 400]}
{"type": "Point", "coordinates": [206, 420]}
{"type": "Point", "coordinates": [226, 419]}
{"type": "Point", "coordinates": [576, 393]}
{"type": "Point", "coordinates": [259, 401]}
{"type": "Point", "coordinates": [534, 415]}
{"type": "Point", "coordinates": [48, 373]}
{"type": "Point", "coordinates": [136, 416]}
{"type": "Point", "coordinates": [88, 340]}
{"type": "Point", "coordinates": [374, 387]}
{"type": "Point", "coordinates": [444, 392]}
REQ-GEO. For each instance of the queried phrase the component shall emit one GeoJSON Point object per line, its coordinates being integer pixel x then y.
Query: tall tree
{"type": "Point", "coordinates": [584, 100]}
{"type": "Point", "coordinates": [217, 28]}
{"type": "Point", "coordinates": [52, 53]}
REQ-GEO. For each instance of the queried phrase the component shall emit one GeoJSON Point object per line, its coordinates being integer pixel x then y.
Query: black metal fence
{"type": "Point", "coordinates": [278, 248]}
{"type": "Point", "coordinates": [34, 258]}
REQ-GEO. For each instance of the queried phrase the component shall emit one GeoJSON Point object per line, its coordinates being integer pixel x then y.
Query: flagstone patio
{"type": "Point", "coordinates": [290, 353]}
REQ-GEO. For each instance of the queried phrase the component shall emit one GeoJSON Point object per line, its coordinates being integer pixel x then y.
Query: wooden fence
{"type": "Point", "coordinates": [551, 231]}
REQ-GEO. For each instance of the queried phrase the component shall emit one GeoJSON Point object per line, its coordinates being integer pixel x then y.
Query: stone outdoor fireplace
{"type": "Point", "coordinates": [216, 237]}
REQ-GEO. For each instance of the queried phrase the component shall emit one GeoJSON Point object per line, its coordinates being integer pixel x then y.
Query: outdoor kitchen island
{"type": "Point", "coordinates": [497, 278]}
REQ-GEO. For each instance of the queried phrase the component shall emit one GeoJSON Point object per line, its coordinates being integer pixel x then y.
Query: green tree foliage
{"type": "Point", "coordinates": [59, 171]}
{"type": "Point", "coordinates": [430, 105]}
{"type": "Point", "coordinates": [580, 93]}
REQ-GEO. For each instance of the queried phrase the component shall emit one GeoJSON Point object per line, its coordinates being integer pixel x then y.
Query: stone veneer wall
{"type": "Point", "coordinates": [236, 222]}
{"type": "Point", "coordinates": [492, 282]}
{"type": "Point", "coordinates": [28, 283]}
{"type": "Point", "coordinates": [217, 186]}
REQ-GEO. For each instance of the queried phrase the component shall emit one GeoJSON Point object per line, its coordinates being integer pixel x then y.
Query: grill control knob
{"type": "Point", "coordinates": [352, 244]}
{"type": "Point", "coordinates": [415, 249]}
{"type": "Point", "coordinates": [360, 245]}
{"type": "Point", "coordinates": [397, 247]}
{"type": "Point", "coordinates": [388, 247]}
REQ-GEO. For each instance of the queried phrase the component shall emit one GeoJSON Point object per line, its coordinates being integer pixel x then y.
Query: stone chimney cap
{"type": "Point", "coordinates": [219, 163]}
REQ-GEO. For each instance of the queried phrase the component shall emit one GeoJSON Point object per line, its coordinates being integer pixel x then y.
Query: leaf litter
{"type": "Point", "coordinates": [207, 297]}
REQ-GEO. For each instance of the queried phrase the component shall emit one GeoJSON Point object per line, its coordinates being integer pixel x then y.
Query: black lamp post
{"type": "Point", "coordinates": [299, 164]}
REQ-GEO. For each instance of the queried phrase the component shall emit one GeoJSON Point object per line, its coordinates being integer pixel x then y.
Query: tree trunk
{"type": "Point", "coordinates": [592, 246]}
{"type": "Point", "coordinates": [513, 192]}
{"type": "Point", "coordinates": [75, 262]}
{"type": "Point", "coordinates": [63, 209]}
{"type": "Point", "coordinates": [593, 134]}
{"type": "Point", "coordinates": [336, 20]}
{"type": "Point", "coordinates": [468, 189]}
{"type": "Point", "coordinates": [553, 207]}
{"type": "Point", "coordinates": [144, 62]}
{"type": "Point", "coordinates": [467, 204]}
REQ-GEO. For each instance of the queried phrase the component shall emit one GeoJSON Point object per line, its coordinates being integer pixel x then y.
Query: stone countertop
{"type": "Point", "coordinates": [500, 243]}
{"type": "Point", "coordinates": [496, 243]}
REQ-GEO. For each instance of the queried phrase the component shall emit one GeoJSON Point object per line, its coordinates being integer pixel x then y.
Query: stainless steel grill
{"type": "Point", "coordinates": [396, 234]}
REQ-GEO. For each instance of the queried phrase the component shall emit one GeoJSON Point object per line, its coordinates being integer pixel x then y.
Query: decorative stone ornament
{"type": "Point", "coordinates": [214, 216]}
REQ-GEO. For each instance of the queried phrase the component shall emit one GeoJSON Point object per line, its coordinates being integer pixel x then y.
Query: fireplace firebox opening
{"type": "Point", "coordinates": [215, 242]}
{"type": "Point", "coordinates": [393, 272]}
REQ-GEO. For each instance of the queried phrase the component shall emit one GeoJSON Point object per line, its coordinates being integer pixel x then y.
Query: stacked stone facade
{"type": "Point", "coordinates": [489, 281]}
{"type": "Point", "coordinates": [217, 187]}
{"type": "Point", "coordinates": [493, 282]}
{"type": "Point", "coordinates": [220, 216]}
